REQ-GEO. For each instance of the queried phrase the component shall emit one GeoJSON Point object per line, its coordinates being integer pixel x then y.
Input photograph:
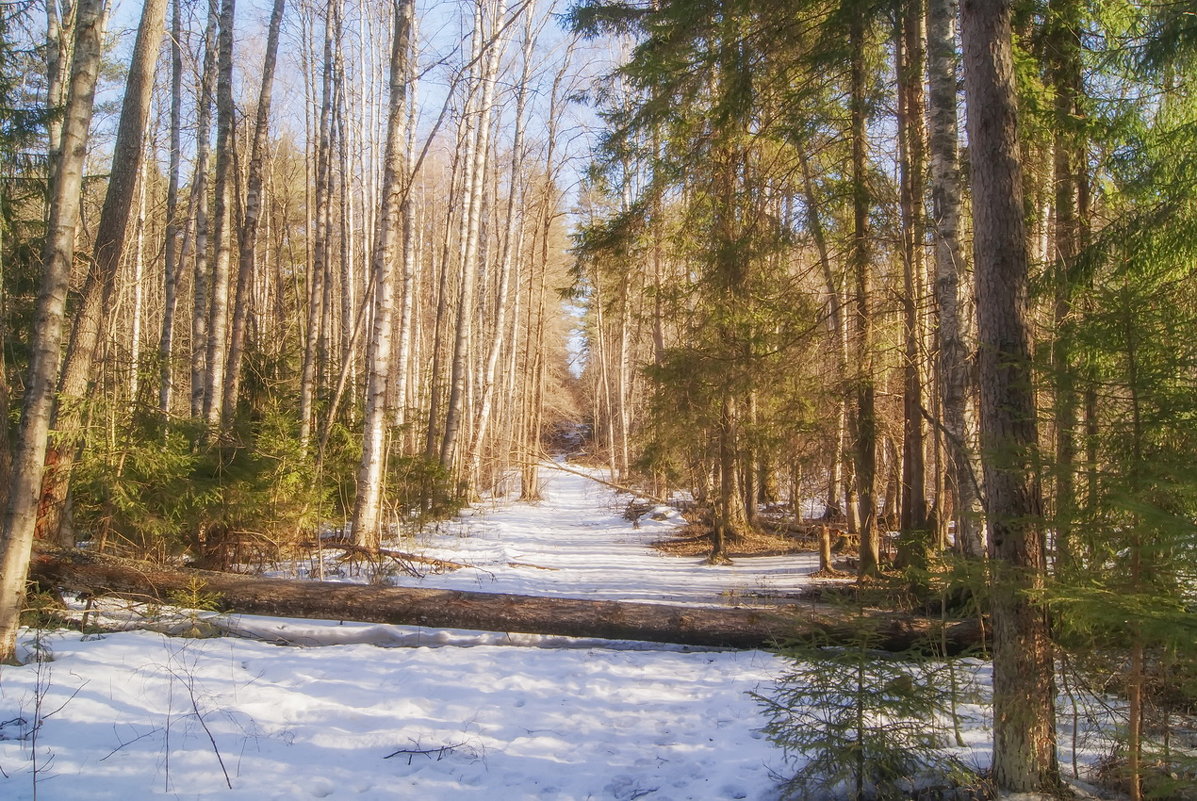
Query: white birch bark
{"type": "Point", "coordinates": [247, 266]}
{"type": "Point", "coordinates": [16, 536]}
{"type": "Point", "coordinates": [407, 302]}
{"type": "Point", "coordinates": [475, 171]}
{"type": "Point", "coordinates": [395, 184]}
{"type": "Point", "coordinates": [218, 314]}
{"type": "Point", "coordinates": [505, 267]}
{"type": "Point", "coordinates": [318, 272]}
{"type": "Point", "coordinates": [170, 283]}
{"type": "Point", "coordinates": [950, 266]}
{"type": "Point", "coordinates": [199, 199]}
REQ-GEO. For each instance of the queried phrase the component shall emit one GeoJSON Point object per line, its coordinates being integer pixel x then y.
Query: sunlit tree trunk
{"type": "Point", "coordinates": [247, 265]}
{"type": "Point", "coordinates": [138, 288]}
{"type": "Point", "coordinates": [322, 201]}
{"type": "Point", "coordinates": [109, 249]}
{"type": "Point", "coordinates": [199, 200]}
{"type": "Point", "coordinates": [472, 197]}
{"type": "Point", "coordinates": [865, 419]}
{"type": "Point", "coordinates": [59, 52]}
{"type": "Point", "coordinates": [171, 263]}
{"type": "Point", "coordinates": [910, 56]}
{"type": "Point", "coordinates": [836, 479]}
{"type": "Point", "coordinates": [506, 257]}
{"type": "Point", "coordinates": [1024, 746]}
{"type": "Point", "coordinates": [16, 536]}
{"type": "Point", "coordinates": [950, 266]}
{"type": "Point", "coordinates": [405, 325]}
{"type": "Point", "coordinates": [222, 236]}
{"type": "Point", "coordinates": [395, 194]}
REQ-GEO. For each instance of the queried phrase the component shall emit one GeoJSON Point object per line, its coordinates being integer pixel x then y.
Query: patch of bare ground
{"type": "Point", "coordinates": [694, 539]}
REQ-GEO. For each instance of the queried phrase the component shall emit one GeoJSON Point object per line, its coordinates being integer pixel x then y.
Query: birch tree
{"type": "Point", "coordinates": [396, 184]}
{"type": "Point", "coordinates": [198, 257]}
{"type": "Point", "coordinates": [174, 233]}
{"type": "Point", "coordinates": [508, 254]}
{"type": "Point", "coordinates": [321, 209]}
{"type": "Point", "coordinates": [246, 268]}
{"type": "Point", "coordinates": [492, 45]}
{"type": "Point", "coordinates": [950, 267]}
{"type": "Point", "coordinates": [16, 536]}
{"type": "Point", "coordinates": [109, 249]}
{"type": "Point", "coordinates": [222, 236]}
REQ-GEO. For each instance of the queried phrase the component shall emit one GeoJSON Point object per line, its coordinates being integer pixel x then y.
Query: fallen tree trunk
{"type": "Point", "coordinates": [724, 627]}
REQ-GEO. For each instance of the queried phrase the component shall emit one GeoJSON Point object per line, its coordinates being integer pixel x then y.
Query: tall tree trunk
{"type": "Point", "coordinates": [138, 288]}
{"type": "Point", "coordinates": [16, 536]}
{"type": "Point", "coordinates": [1024, 748]}
{"type": "Point", "coordinates": [199, 198]}
{"type": "Point", "coordinates": [950, 266]}
{"type": "Point", "coordinates": [396, 186]}
{"type": "Point", "coordinates": [322, 201]}
{"type": "Point", "coordinates": [913, 520]}
{"type": "Point", "coordinates": [506, 257]}
{"type": "Point", "coordinates": [1063, 42]}
{"type": "Point", "coordinates": [171, 263]}
{"type": "Point", "coordinates": [246, 269]}
{"type": "Point", "coordinates": [476, 161]}
{"type": "Point", "coordinates": [111, 234]}
{"type": "Point", "coordinates": [836, 479]}
{"type": "Point", "coordinates": [405, 325]}
{"type": "Point", "coordinates": [865, 422]}
{"type": "Point", "coordinates": [59, 55]}
{"type": "Point", "coordinates": [222, 245]}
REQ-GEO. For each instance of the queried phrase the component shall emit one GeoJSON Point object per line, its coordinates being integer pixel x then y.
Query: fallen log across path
{"type": "Point", "coordinates": [97, 574]}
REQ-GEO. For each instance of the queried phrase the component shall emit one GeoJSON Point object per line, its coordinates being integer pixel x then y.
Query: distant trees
{"type": "Point", "coordinates": [294, 279]}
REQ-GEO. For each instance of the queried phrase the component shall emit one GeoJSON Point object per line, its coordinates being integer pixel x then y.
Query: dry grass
{"type": "Point", "coordinates": [695, 540]}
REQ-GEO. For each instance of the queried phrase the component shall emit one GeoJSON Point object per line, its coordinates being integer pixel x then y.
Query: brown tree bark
{"type": "Point", "coordinates": [1024, 748]}
{"type": "Point", "coordinates": [911, 136]}
{"type": "Point", "coordinates": [865, 421]}
{"type": "Point", "coordinates": [410, 606]}
{"type": "Point", "coordinates": [1063, 44]}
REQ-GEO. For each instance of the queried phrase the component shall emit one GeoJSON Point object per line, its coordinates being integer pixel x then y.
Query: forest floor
{"type": "Point", "coordinates": [366, 711]}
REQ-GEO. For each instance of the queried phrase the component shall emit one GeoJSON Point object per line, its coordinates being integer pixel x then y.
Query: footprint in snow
{"type": "Point", "coordinates": [628, 788]}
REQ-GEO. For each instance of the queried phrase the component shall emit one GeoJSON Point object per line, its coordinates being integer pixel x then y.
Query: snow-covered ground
{"type": "Point", "coordinates": [440, 715]}
{"type": "Point", "coordinates": [577, 544]}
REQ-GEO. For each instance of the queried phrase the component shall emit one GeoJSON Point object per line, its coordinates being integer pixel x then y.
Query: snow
{"type": "Point", "coordinates": [366, 711]}
{"type": "Point", "coordinates": [514, 723]}
{"type": "Point", "coordinates": [576, 544]}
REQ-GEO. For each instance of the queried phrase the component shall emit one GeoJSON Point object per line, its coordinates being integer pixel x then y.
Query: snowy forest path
{"type": "Point", "coordinates": [575, 543]}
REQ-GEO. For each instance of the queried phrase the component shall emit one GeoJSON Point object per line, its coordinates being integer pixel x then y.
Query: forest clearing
{"type": "Point", "coordinates": [876, 316]}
